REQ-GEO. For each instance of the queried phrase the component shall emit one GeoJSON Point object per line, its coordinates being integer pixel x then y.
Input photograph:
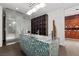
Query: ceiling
{"type": "Point", "coordinates": [24, 7]}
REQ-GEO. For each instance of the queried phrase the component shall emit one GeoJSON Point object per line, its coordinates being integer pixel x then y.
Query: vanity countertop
{"type": "Point", "coordinates": [42, 38]}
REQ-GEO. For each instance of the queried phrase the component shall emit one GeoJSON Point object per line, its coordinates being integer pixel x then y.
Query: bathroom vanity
{"type": "Point", "coordinates": [37, 45]}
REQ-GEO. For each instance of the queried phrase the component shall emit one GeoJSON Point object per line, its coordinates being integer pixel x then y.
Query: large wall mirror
{"type": "Point", "coordinates": [15, 23]}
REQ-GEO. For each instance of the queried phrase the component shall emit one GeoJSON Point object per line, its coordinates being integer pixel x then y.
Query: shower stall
{"type": "Point", "coordinates": [14, 24]}
{"type": "Point", "coordinates": [9, 28]}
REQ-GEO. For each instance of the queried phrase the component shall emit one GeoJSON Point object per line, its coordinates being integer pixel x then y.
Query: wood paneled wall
{"type": "Point", "coordinates": [72, 26]}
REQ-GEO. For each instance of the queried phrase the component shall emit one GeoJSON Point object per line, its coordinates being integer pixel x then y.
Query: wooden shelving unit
{"type": "Point", "coordinates": [40, 23]}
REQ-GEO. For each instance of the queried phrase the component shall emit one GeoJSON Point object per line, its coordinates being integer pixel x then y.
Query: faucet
{"type": "Point", "coordinates": [38, 32]}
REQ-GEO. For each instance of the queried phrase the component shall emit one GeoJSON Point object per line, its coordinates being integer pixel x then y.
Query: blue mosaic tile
{"type": "Point", "coordinates": [34, 47]}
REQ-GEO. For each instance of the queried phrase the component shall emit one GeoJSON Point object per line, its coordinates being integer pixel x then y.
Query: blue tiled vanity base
{"type": "Point", "coordinates": [32, 47]}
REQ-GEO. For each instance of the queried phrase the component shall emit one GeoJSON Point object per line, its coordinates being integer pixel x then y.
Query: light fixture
{"type": "Point", "coordinates": [31, 11]}
{"type": "Point", "coordinates": [74, 30]}
{"type": "Point", "coordinates": [37, 7]}
{"type": "Point", "coordinates": [9, 24]}
{"type": "Point", "coordinates": [78, 30]}
{"type": "Point", "coordinates": [69, 30]}
{"type": "Point", "coordinates": [13, 22]}
{"type": "Point", "coordinates": [17, 8]}
{"type": "Point", "coordinates": [76, 26]}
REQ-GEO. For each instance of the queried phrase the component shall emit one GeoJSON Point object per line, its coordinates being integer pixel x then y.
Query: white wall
{"type": "Point", "coordinates": [0, 26]}
{"type": "Point", "coordinates": [72, 11]}
{"type": "Point", "coordinates": [58, 16]}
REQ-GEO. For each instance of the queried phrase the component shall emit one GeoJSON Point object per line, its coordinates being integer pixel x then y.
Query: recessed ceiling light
{"type": "Point", "coordinates": [31, 11]}
{"type": "Point", "coordinates": [13, 22]}
{"type": "Point", "coordinates": [9, 24]}
{"type": "Point", "coordinates": [17, 8]}
{"type": "Point", "coordinates": [37, 7]}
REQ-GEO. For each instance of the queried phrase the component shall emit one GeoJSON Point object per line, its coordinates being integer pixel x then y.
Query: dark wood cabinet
{"type": "Point", "coordinates": [40, 24]}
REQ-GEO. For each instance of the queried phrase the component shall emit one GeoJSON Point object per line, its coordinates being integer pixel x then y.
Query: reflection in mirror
{"type": "Point", "coordinates": [10, 29]}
